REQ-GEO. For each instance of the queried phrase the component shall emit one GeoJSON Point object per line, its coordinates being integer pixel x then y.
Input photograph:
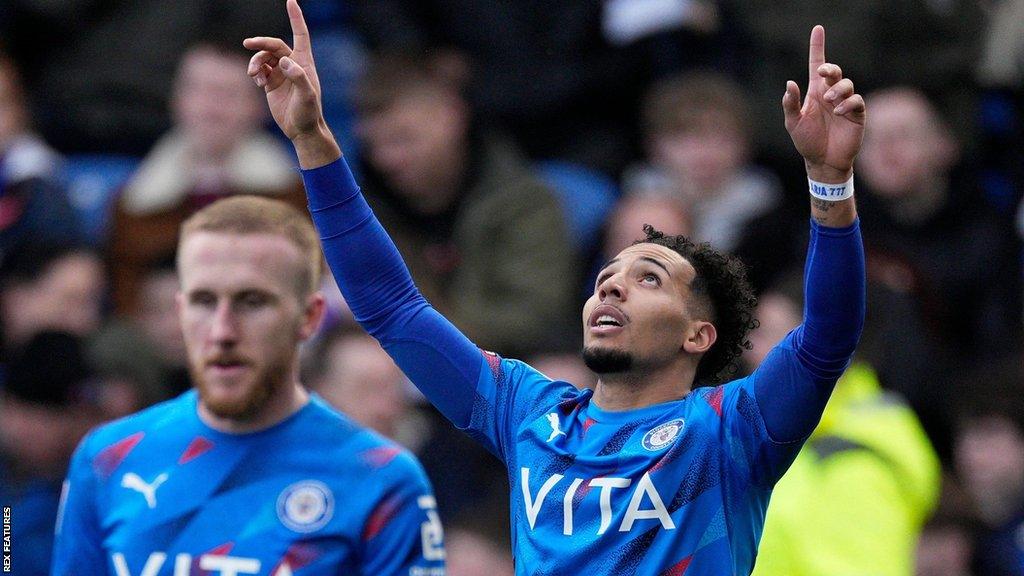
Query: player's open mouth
{"type": "Point", "coordinates": [606, 319]}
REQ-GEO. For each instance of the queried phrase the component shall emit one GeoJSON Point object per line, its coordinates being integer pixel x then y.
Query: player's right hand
{"type": "Point", "coordinates": [288, 76]}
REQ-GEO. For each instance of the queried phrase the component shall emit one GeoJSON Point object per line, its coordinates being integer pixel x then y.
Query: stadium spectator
{"type": "Point", "coordinates": [465, 209]}
{"type": "Point", "coordinates": [45, 409]}
{"type": "Point", "coordinates": [698, 133]}
{"type": "Point", "coordinates": [472, 553]}
{"type": "Point", "coordinates": [651, 329]}
{"type": "Point", "coordinates": [349, 370]}
{"type": "Point", "coordinates": [946, 546]}
{"type": "Point", "coordinates": [865, 481]}
{"type": "Point", "coordinates": [246, 471]}
{"type": "Point", "coordinates": [643, 203]}
{"type": "Point", "coordinates": [98, 73]}
{"type": "Point", "coordinates": [33, 205]}
{"type": "Point", "coordinates": [564, 78]}
{"type": "Point", "coordinates": [989, 459]}
{"type": "Point", "coordinates": [130, 369]}
{"type": "Point", "coordinates": [358, 378]}
{"type": "Point", "coordinates": [216, 148]}
{"type": "Point", "coordinates": [565, 366]}
{"type": "Point", "coordinates": [49, 287]}
{"type": "Point", "coordinates": [933, 45]}
{"type": "Point", "coordinates": [664, 212]}
{"type": "Point", "coordinates": [921, 215]}
{"type": "Point", "coordinates": [156, 317]}
{"type": "Point", "coordinates": [1002, 62]}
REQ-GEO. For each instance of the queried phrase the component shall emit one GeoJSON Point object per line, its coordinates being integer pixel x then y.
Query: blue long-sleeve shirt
{"type": "Point", "coordinates": [671, 488]}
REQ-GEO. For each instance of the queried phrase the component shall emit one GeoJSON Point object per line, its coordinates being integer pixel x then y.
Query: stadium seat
{"type": "Point", "coordinates": [93, 182]}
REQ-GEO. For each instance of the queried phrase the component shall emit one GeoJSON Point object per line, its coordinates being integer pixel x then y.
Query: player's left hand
{"type": "Point", "coordinates": [288, 75]}
{"type": "Point", "coordinates": [828, 129]}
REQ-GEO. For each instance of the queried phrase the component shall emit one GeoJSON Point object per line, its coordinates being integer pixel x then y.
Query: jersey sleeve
{"type": "Point", "coordinates": [403, 535]}
{"type": "Point", "coordinates": [792, 398]}
{"type": "Point", "coordinates": [78, 548]}
{"type": "Point", "coordinates": [477, 391]}
{"type": "Point", "coordinates": [510, 392]}
{"type": "Point", "coordinates": [775, 409]}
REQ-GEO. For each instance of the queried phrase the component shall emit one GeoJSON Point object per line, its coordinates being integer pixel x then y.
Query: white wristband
{"type": "Point", "coordinates": [831, 192]}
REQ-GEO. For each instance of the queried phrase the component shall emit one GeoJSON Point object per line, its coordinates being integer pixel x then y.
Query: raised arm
{"type": "Point", "coordinates": [827, 131]}
{"type": "Point", "coordinates": [376, 284]}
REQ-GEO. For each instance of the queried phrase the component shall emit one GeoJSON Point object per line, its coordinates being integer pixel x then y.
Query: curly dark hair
{"type": "Point", "coordinates": [727, 295]}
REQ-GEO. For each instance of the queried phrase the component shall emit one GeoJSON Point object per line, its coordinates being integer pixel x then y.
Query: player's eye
{"type": "Point", "coordinates": [651, 279]}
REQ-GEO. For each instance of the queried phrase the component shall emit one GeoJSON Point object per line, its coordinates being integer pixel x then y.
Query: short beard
{"type": "Point", "coordinates": [605, 361]}
{"type": "Point", "coordinates": [252, 404]}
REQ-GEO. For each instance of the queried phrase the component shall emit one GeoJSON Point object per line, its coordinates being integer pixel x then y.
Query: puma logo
{"type": "Point", "coordinates": [555, 426]}
{"type": "Point", "coordinates": [132, 481]}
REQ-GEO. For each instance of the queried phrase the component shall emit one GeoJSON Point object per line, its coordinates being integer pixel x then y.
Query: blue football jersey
{"type": "Point", "coordinates": [669, 489]}
{"type": "Point", "coordinates": [673, 488]}
{"type": "Point", "coordinates": [161, 493]}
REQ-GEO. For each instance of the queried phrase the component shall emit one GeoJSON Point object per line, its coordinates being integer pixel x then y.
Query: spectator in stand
{"type": "Point", "coordinates": [32, 203]}
{"type": "Point", "coordinates": [943, 268]}
{"type": "Point", "coordinates": [664, 212]}
{"type": "Point", "coordinates": [98, 72]}
{"type": "Point", "coordinates": [462, 205]}
{"type": "Point", "coordinates": [357, 377]}
{"type": "Point", "coordinates": [49, 287]}
{"type": "Point", "coordinates": [989, 459]}
{"type": "Point", "coordinates": [215, 149]}
{"type": "Point", "coordinates": [565, 78]}
{"type": "Point", "coordinates": [946, 546]}
{"type": "Point", "coordinates": [473, 553]}
{"type": "Point", "coordinates": [45, 411]}
{"type": "Point", "coordinates": [697, 132]}
{"type": "Point", "coordinates": [646, 201]}
{"type": "Point", "coordinates": [157, 318]}
{"type": "Point", "coordinates": [927, 43]}
{"type": "Point", "coordinates": [856, 496]}
{"type": "Point", "coordinates": [350, 370]}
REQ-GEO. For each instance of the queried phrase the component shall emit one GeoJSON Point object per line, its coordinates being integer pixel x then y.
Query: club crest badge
{"type": "Point", "coordinates": [305, 506]}
{"type": "Point", "coordinates": [662, 437]}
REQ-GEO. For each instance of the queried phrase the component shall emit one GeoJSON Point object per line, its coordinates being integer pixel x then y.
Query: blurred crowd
{"type": "Point", "coordinates": [509, 148]}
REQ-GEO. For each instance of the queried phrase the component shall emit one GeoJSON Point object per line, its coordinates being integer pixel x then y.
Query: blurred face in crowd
{"type": "Point", "coordinates": [417, 143]}
{"type": "Point", "coordinates": [565, 367]}
{"type": "Point", "coordinates": [243, 315]}
{"type": "Point", "coordinates": [12, 110]}
{"type": "Point", "coordinates": [361, 380]}
{"type": "Point", "coordinates": [470, 554]}
{"type": "Point", "coordinates": [943, 551]}
{"type": "Point", "coordinates": [632, 212]}
{"type": "Point", "coordinates": [640, 317]}
{"type": "Point", "coordinates": [39, 438]}
{"type": "Point", "coordinates": [905, 149]}
{"type": "Point", "coordinates": [66, 297]}
{"type": "Point", "coordinates": [989, 456]}
{"type": "Point", "coordinates": [215, 104]}
{"type": "Point", "coordinates": [705, 155]}
{"type": "Point", "coordinates": [777, 315]}
{"type": "Point", "coordinates": [158, 317]}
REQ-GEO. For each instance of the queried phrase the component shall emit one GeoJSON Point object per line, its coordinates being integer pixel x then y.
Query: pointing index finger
{"type": "Point", "coordinates": [300, 34]}
{"type": "Point", "coordinates": [817, 50]}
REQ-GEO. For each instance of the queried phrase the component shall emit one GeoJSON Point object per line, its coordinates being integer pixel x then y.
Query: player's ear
{"type": "Point", "coordinates": [700, 336]}
{"type": "Point", "coordinates": [312, 314]}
